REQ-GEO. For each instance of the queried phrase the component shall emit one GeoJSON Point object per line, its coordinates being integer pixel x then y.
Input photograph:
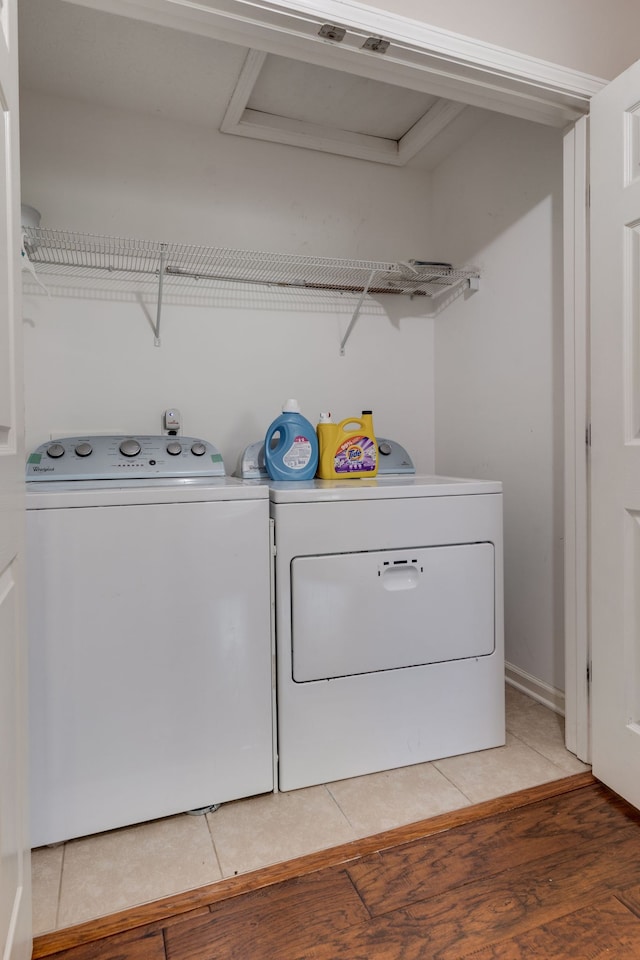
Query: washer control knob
{"type": "Point", "coordinates": [198, 449]}
{"type": "Point", "coordinates": [84, 449]}
{"type": "Point", "coordinates": [174, 448]}
{"type": "Point", "coordinates": [55, 450]}
{"type": "Point", "coordinates": [130, 448]}
{"type": "Point", "coordinates": [385, 448]}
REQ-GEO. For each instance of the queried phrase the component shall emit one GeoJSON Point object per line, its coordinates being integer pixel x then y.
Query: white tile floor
{"type": "Point", "coordinates": [95, 876]}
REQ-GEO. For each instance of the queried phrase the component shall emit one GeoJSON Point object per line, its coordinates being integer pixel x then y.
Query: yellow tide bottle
{"type": "Point", "coordinates": [347, 449]}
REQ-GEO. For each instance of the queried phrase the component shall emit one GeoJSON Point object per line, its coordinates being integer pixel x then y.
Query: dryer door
{"type": "Point", "coordinates": [363, 612]}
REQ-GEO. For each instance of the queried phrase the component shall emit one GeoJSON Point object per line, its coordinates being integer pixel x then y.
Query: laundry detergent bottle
{"type": "Point", "coordinates": [294, 456]}
{"type": "Point", "coordinates": [347, 449]}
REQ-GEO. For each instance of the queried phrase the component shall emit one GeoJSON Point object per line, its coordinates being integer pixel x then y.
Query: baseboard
{"type": "Point", "coordinates": [537, 689]}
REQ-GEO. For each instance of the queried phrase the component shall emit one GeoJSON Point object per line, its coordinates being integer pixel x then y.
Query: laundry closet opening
{"type": "Point", "coordinates": [122, 135]}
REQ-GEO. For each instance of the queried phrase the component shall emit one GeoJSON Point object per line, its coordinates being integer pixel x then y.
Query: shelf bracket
{"type": "Point", "coordinates": [356, 312]}
{"type": "Point", "coordinates": [161, 273]}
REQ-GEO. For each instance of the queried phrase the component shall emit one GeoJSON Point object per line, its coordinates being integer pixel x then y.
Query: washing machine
{"type": "Point", "coordinates": [389, 623]}
{"type": "Point", "coordinates": [149, 608]}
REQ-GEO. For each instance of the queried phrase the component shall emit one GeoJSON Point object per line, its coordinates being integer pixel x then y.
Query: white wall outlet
{"type": "Point", "coordinates": [172, 422]}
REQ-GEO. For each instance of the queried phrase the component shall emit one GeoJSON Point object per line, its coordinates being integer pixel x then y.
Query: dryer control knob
{"type": "Point", "coordinates": [174, 448]}
{"type": "Point", "coordinates": [130, 448]}
{"type": "Point", "coordinates": [198, 449]}
{"type": "Point", "coordinates": [55, 450]}
{"type": "Point", "coordinates": [84, 449]}
{"type": "Point", "coordinates": [385, 448]}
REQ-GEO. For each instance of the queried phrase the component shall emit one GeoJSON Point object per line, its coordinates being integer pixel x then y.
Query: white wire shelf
{"type": "Point", "coordinates": [144, 263]}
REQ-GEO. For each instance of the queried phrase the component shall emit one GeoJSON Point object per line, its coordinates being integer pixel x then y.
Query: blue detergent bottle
{"type": "Point", "coordinates": [294, 454]}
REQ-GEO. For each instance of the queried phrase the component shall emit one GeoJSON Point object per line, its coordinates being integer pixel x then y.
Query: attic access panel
{"type": "Point", "coordinates": [305, 105]}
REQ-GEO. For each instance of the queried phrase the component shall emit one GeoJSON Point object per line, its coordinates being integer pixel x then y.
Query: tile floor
{"type": "Point", "coordinates": [95, 876]}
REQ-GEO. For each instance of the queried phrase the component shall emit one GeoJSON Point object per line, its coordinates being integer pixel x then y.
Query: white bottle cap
{"type": "Point", "coordinates": [291, 406]}
{"type": "Point", "coordinates": [325, 417]}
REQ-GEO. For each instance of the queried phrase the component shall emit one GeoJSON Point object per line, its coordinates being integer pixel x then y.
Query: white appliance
{"type": "Point", "coordinates": [389, 623]}
{"type": "Point", "coordinates": [149, 632]}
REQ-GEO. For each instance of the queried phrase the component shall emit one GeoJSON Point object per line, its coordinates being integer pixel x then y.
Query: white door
{"type": "Point", "coordinates": [615, 418]}
{"type": "Point", "coordinates": [15, 898]}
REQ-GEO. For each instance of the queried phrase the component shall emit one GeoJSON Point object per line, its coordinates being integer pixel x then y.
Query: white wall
{"type": "Point", "coordinates": [498, 203]}
{"type": "Point", "coordinates": [103, 170]}
{"type": "Point", "coordinates": [90, 363]}
{"type": "Point", "coordinates": [587, 35]}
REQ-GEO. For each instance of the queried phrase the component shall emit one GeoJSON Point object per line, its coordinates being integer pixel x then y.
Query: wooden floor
{"type": "Point", "coordinates": [551, 873]}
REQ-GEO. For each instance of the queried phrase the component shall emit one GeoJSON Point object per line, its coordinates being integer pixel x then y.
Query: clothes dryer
{"type": "Point", "coordinates": [389, 623]}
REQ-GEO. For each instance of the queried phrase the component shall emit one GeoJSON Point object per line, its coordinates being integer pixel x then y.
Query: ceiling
{"type": "Point", "coordinates": [83, 54]}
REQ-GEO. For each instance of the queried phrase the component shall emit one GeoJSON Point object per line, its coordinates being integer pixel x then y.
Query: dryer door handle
{"type": "Point", "coordinates": [400, 577]}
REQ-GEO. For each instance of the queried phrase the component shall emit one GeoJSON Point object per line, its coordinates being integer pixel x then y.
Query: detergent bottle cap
{"type": "Point", "coordinates": [325, 417]}
{"type": "Point", "coordinates": [291, 406]}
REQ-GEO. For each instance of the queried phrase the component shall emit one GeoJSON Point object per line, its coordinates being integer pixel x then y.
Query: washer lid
{"type": "Point", "coordinates": [379, 488]}
{"type": "Point", "coordinates": [109, 493]}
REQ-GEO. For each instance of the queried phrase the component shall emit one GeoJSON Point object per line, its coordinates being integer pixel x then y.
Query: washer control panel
{"type": "Point", "coordinates": [116, 458]}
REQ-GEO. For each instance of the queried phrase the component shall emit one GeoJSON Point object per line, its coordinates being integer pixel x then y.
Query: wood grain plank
{"type": "Point", "coordinates": [133, 945]}
{"type": "Point", "coordinates": [269, 923]}
{"type": "Point", "coordinates": [534, 894]}
{"type": "Point", "coordinates": [606, 929]}
{"type": "Point", "coordinates": [102, 927]}
{"type": "Point", "coordinates": [631, 899]}
{"type": "Point", "coordinates": [424, 868]}
{"type": "Point", "coordinates": [202, 911]}
{"type": "Point", "coordinates": [490, 910]}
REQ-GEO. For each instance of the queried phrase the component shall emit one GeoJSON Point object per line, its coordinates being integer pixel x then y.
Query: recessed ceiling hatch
{"type": "Point", "coordinates": [305, 105]}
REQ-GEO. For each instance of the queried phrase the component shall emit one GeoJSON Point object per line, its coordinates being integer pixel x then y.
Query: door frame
{"type": "Point", "coordinates": [15, 865]}
{"type": "Point", "coordinates": [446, 64]}
{"type": "Point", "coordinates": [420, 57]}
{"type": "Point", "coordinates": [576, 438]}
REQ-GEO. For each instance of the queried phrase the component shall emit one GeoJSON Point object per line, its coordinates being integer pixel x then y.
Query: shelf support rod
{"type": "Point", "coordinates": [356, 312]}
{"type": "Point", "coordinates": [161, 272]}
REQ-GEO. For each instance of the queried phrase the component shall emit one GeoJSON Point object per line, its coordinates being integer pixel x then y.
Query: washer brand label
{"type": "Point", "coordinates": [43, 470]}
